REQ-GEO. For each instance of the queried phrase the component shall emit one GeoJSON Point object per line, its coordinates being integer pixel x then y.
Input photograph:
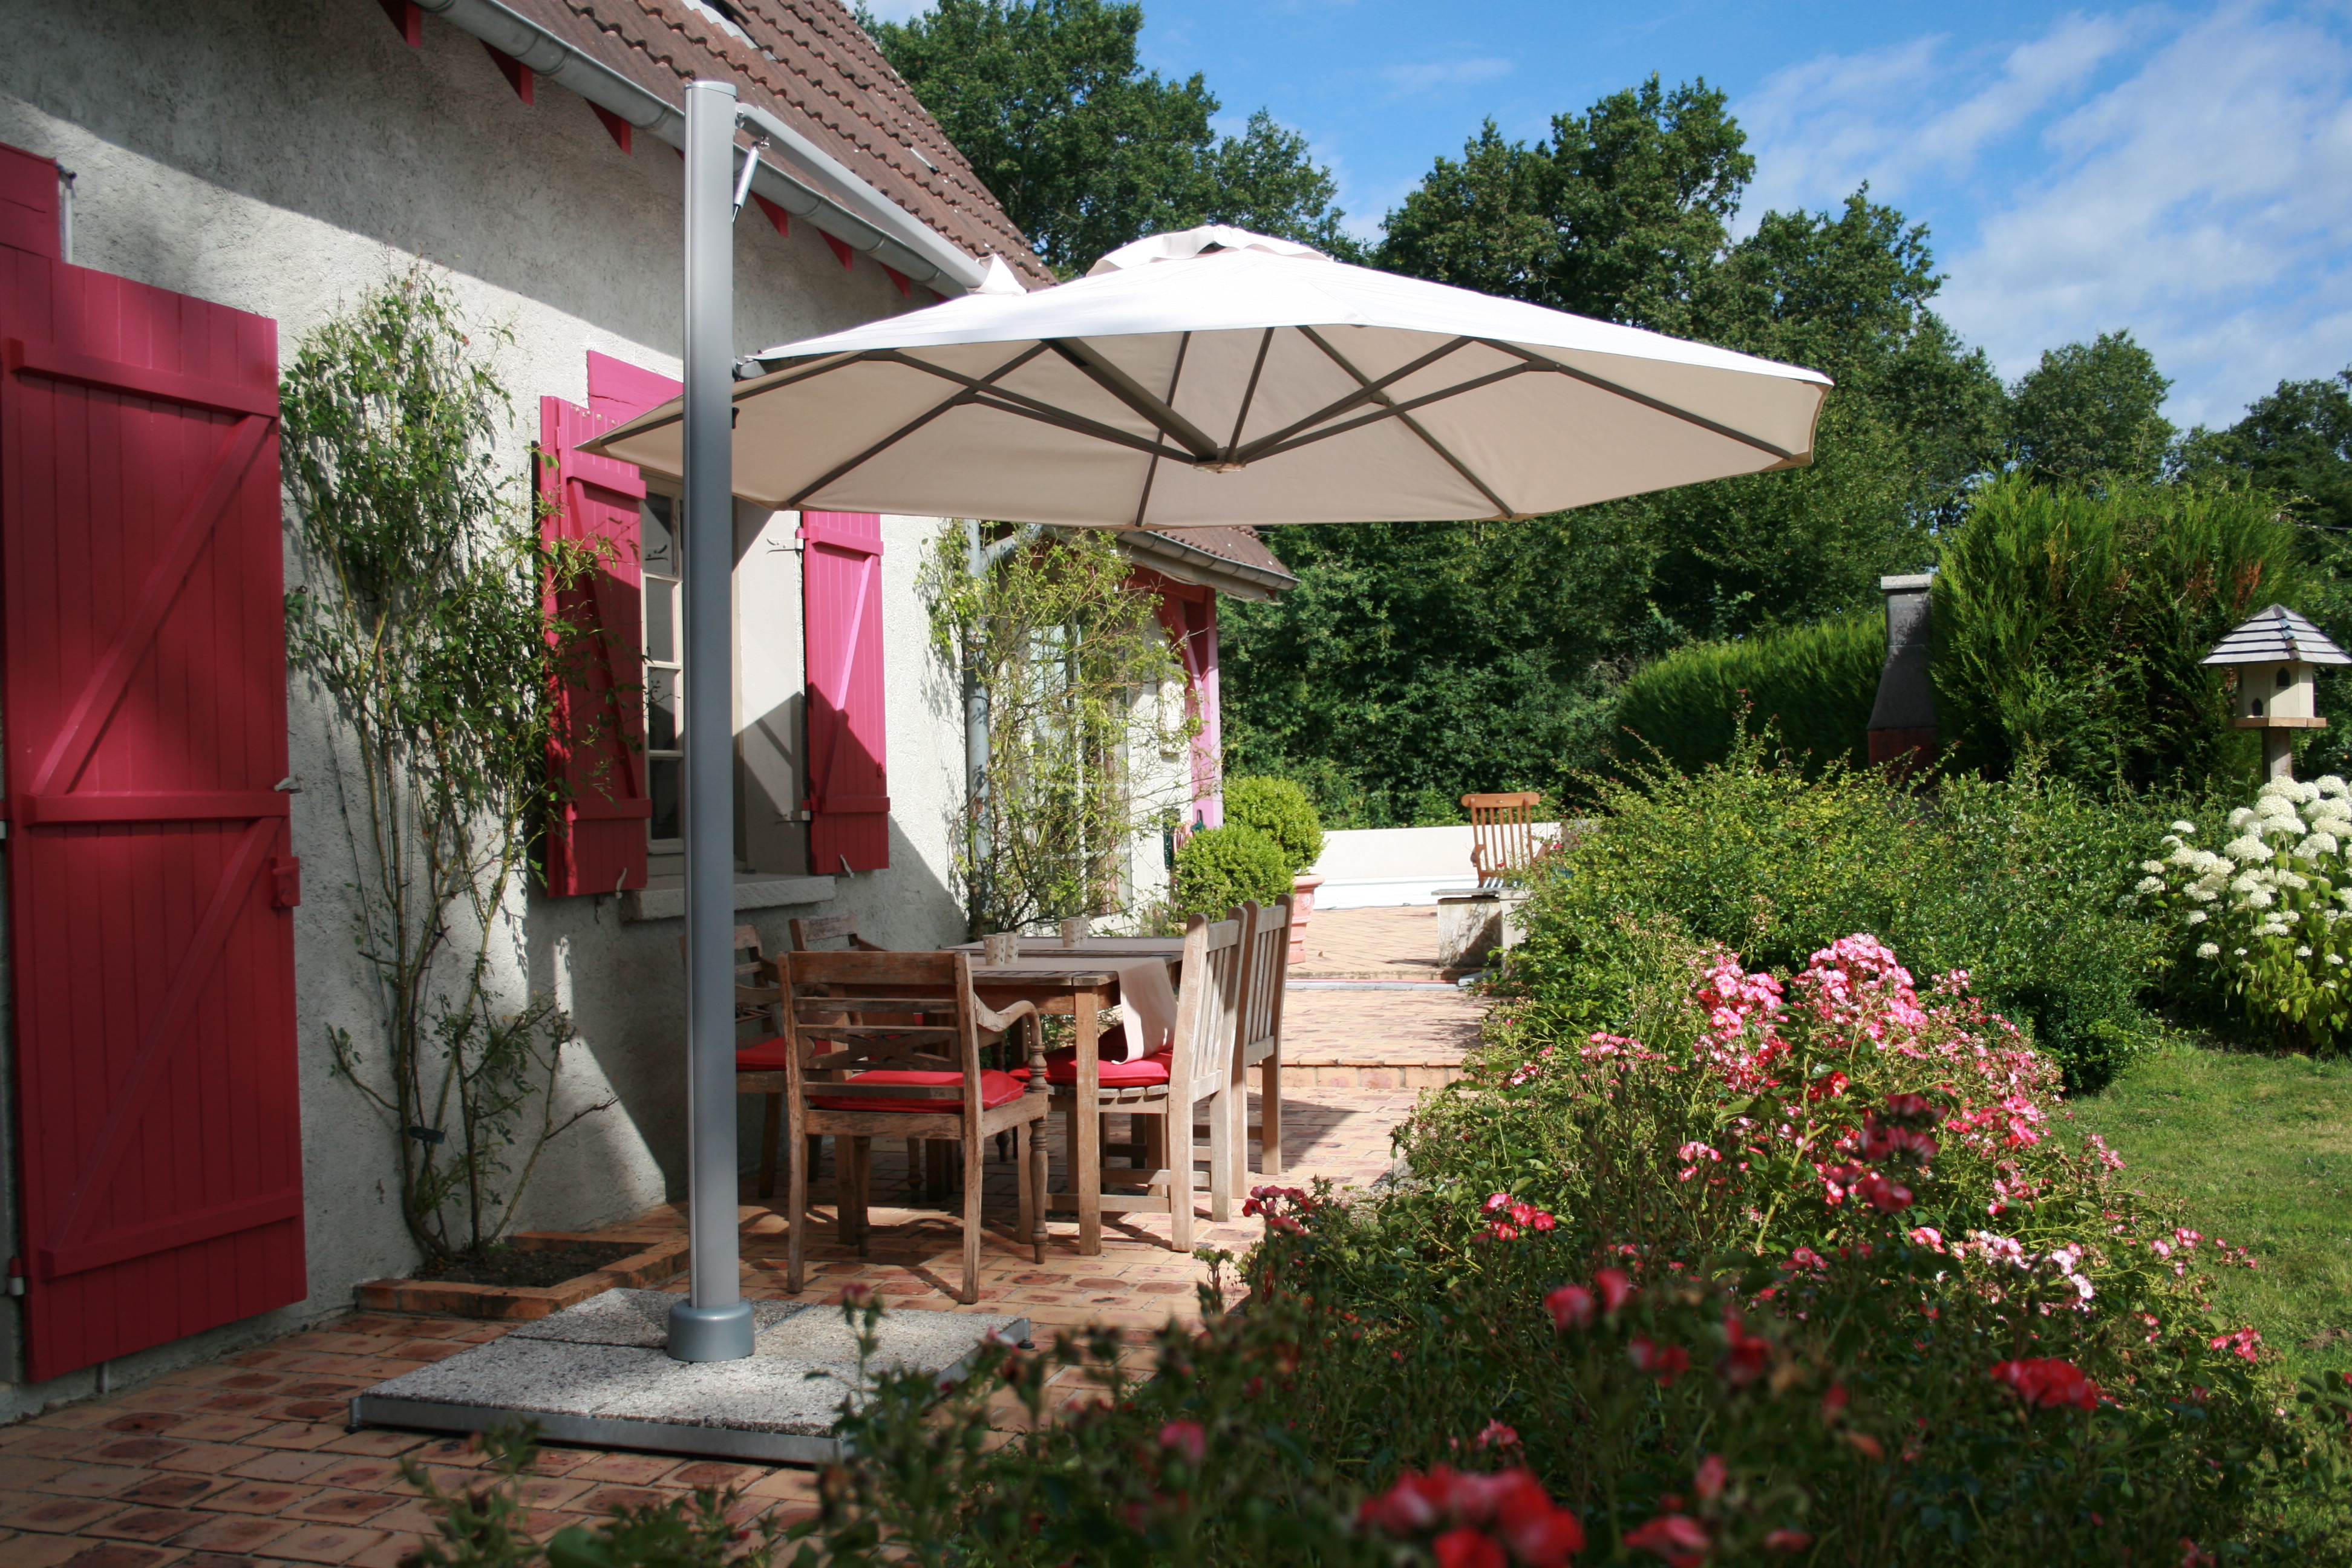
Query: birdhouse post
{"type": "Point", "coordinates": [2276, 654]}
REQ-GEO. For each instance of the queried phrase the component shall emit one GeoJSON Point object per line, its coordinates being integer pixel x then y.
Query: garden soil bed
{"type": "Point", "coordinates": [539, 1272]}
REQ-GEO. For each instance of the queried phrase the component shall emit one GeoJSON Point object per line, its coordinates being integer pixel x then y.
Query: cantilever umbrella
{"type": "Point", "coordinates": [1218, 376]}
{"type": "Point", "coordinates": [1214, 376]}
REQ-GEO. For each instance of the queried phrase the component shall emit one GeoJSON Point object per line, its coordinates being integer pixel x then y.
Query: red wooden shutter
{"type": "Point", "coordinates": [849, 785]}
{"type": "Point", "coordinates": [142, 588]}
{"type": "Point", "coordinates": [1189, 613]}
{"type": "Point", "coordinates": [28, 204]}
{"type": "Point", "coordinates": [598, 844]}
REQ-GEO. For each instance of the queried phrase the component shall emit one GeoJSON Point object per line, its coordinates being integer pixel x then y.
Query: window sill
{"type": "Point", "coordinates": [664, 898]}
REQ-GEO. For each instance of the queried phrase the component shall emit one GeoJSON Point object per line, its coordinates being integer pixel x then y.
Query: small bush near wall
{"type": "Point", "coordinates": [2016, 882]}
{"type": "Point", "coordinates": [1279, 809]}
{"type": "Point", "coordinates": [1219, 868]}
{"type": "Point", "coordinates": [1813, 684]}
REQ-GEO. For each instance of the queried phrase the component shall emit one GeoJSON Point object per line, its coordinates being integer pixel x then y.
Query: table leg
{"type": "Point", "coordinates": [1086, 1159]}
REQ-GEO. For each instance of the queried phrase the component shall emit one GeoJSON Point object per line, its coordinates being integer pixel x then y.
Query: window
{"type": "Point", "coordinates": [665, 684]}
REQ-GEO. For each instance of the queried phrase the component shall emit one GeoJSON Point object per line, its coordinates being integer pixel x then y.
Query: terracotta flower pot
{"type": "Point", "coordinates": [1302, 904]}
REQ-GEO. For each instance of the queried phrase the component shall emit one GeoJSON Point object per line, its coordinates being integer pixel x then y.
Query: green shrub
{"type": "Point", "coordinates": [2016, 882]}
{"type": "Point", "coordinates": [2068, 628]}
{"type": "Point", "coordinates": [2256, 913]}
{"type": "Point", "coordinates": [1220, 866]}
{"type": "Point", "coordinates": [1278, 808]}
{"type": "Point", "coordinates": [1814, 684]}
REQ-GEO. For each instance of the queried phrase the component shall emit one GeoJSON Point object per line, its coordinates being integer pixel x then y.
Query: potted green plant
{"type": "Point", "coordinates": [1279, 809]}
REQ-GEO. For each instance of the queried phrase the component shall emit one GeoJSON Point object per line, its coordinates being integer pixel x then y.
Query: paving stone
{"type": "Point", "coordinates": [231, 1533]}
{"type": "Point", "coordinates": [322, 1543]}
{"type": "Point", "coordinates": [60, 1515]}
{"type": "Point", "coordinates": [145, 1524]}
{"type": "Point", "coordinates": [120, 1555]}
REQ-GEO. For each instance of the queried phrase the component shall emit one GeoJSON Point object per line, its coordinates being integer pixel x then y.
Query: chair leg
{"type": "Point", "coordinates": [797, 1185]}
{"type": "Point", "coordinates": [1269, 1114]}
{"type": "Point", "coordinates": [856, 1169]}
{"type": "Point", "coordinates": [1179, 1134]}
{"type": "Point", "coordinates": [935, 1165]}
{"type": "Point", "coordinates": [972, 1178]}
{"type": "Point", "coordinates": [1155, 1147]}
{"type": "Point", "coordinates": [1039, 1185]}
{"type": "Point", "coordinates": [771, 1133]}
{"type": "Point", "coordinates": [1224, 1152]}
{"type": "Point", "coordinates": [1025, 1231]}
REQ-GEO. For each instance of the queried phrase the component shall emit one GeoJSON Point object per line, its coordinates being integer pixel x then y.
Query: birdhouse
{"type": "Point", "coordinates": [2275, 655]}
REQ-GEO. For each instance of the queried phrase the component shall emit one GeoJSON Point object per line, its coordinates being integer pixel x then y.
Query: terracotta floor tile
{"type": "Point", "coordinates": [322, 1543]}
{"type": "Point", "coordinates": [375, 1442]}
{"type": "Point", "coordinates": [93, 1481]}
{"type": "Point", "coordinates": [148, 1524]}
{"type": "Point", "coordinates": [31, 1442]}
{"type": "Point", "coordinates": [299, 1435]}
{"type": "Point", "coordinates": [18, 1550]}
{"type": "Point", "coordinates": [360, 1474]}
{"type": "Point", "coordinates": [629, 1469]}
{"type": "Point", "coordinates": [231, 1533]}
{"type": "Point", "coordinates": [122, 1554]}
{"type": "Point", "coordinates": [273, 1464]}
{"type": "Point", "coordinates": [60, 1515]}
{"type": "Point", "coordinates": [171, 1491]}
{"type": "Point", "coordinates": [200, 1458]}
{"type": "Point", "coordinates": [603, 1499]}
{"type": "Point", "coordinates": [20, 1474]}
{"type": "Point", "coordinates": [389, 1550]}
{"type": "Point", "coordinates": [258, 1497]}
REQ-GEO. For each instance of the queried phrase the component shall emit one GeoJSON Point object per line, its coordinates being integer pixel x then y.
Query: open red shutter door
{"type": "Point", "coordinates": [598, 843]}
{"type": "Point", "coordinates": [849, 787]}
{"type": "Point", "coordinates": [150, 874]}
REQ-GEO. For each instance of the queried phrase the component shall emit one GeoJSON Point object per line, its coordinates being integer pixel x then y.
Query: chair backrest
{"type": "Point", "coordinates": [807, 933]}
{"type": "Point", "coordinates": [1207, 996]}
{"type": "Point", "coordinates": [755, 994]}
{"type": "Point", "coordinates": [1266, 967]}
{"type": "Point", "coordinates": [1502, 832]}
{"type": "Point", "coordinates": [915, 1012]}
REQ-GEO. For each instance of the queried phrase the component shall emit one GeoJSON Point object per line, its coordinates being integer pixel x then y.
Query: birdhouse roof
{"type": "Point", "coordinates": [2277, 635]}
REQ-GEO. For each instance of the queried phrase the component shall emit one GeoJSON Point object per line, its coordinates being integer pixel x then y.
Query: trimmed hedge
{"type": "Point", "coordinates": [1812, 685]}
{"type": "Point", "coordinates": [1220, 866]}
{"type": "Point", "coordinates": [1278, 808]}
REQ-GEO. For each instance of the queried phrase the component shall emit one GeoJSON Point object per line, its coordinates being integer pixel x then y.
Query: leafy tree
{"type": "Point", "coordinates": [2295, 443]}
{"type": "Point", "coordinates": [2088, 411]}
{"type": "Point", "coordinates": [1084, 148]}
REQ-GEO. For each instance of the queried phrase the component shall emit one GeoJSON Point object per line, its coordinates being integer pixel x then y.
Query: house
{"type": "Point", "coordinates": [185, 193]}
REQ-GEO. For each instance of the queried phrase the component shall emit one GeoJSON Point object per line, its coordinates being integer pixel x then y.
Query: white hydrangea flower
{"type": "Point", "coordinates": [2196, 917]}
{"type": "Point", "coordinates": [2211, 950]}
{"type": "Point", "coordinates": [2328, 784]}
{"type": "Point", "coordinates": [2247, 848]}
{"type": "Point", "coordinates": [2241, 952]}
{"type": "Point", "coordinates": [2302, 952]}
{"type": "Point", "coordinates": [2296, 880]}
{"type": "Point", "coordinates": [2149, 884]}
{"type": "Point", "coordinates": [2153, 868]}
{"type": "Point", "coordinates": [2316, 844]}
{"type": "Point", "coordinates": [2335, 958]}
{"type": "Point", "coordinates": [2185, 827]}
{"type": "Point", "coordinates": [2239, 817]}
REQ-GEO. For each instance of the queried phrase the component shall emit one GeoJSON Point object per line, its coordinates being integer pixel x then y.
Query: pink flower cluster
{"type": "Point", "coordinates": [1479, 1520]}
{"type": "Point", "coordinates": [1514, 1218]}
{"type": "Point", "coordinates": [2046, 1383]}
{"type": "Point", "coordinates": [1285, 1208]}
{"type": "Point", "coordinates": [2245, 1343]}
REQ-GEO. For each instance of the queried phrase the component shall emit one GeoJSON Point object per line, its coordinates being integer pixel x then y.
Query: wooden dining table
{"type": "Point", "coordinates": [1074, 981]}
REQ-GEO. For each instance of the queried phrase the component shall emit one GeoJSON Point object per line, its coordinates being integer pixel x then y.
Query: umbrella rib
{"type": "Point", "coordinates": [1364, 394]}
{"type": "Point", "coordinates": [1260, 449]}
{"type": "Point", "coordinates": [1249, 394]}
{"type": "Point", "coordinates": [1020, 403]}
{"type": "Point", "coordinates": [1152, 469]}
{"type": "Point", "coordinates": [968, 393]}
{"type": "Point", "coordinates": [1121, 385]}
{"type": "Point", "coordinates": [1542, 362]}
{"type": "Point", "coordinates": [1502, 506]}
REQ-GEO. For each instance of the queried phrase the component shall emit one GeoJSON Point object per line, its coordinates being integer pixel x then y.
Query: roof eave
{"type": "Point", "coordinates": [1205, 567]}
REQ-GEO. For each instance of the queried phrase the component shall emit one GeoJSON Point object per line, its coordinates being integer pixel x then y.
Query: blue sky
{"type": "Point", "coordinates": [2183, 172]}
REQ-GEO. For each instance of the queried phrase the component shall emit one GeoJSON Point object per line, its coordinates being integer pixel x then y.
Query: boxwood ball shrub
{"type": "Point", "coordinates": [1278, 808]}
{"type": "Point", "coordinates": [1220, 866]}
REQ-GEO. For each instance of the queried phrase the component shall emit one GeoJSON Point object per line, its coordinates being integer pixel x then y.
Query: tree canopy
{"type": "Point", "coordinates": [1084, 148]}
{"type": "Point", "coordinates": [2089, 412]}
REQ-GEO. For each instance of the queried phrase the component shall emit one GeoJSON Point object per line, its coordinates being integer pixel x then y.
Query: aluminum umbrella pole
{"type": "Point", "coordinates": [714, 1322]}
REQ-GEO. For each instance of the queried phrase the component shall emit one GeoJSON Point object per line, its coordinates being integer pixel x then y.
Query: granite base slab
{"type": "Point", "coordinates": [597, 1375]}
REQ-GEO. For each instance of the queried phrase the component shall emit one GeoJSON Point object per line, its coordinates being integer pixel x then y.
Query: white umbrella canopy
{"type": "Point", "coordinates": [1217, 377]}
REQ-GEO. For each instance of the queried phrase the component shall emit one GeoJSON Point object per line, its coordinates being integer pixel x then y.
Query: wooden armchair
{"type": "Point", "coordinates": [1502, 833]}
{"type": "Point", "coordinates": [898, 1079]}
{"type": "Point", "coordinates": [1258, 1033]}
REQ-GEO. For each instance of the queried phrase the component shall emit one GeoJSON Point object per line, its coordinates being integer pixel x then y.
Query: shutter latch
{"type": "Point", "coordinates": [285, 881]}
{"type": "Point", "coordinates": [15, 1276]}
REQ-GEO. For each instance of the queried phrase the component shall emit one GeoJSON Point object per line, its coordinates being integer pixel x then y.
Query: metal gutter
{"type": "Point", "coordinates": [1237, 577]}
{"type": "Point", "coordinates": [795, 173]}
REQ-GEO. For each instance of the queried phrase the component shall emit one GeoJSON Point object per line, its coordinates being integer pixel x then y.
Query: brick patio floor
{"type": "Point", "coordinates": [246, 1460]}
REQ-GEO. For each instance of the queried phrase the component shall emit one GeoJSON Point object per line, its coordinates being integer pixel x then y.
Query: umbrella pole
{"type": "Point", "coordinates": [714, 1322]}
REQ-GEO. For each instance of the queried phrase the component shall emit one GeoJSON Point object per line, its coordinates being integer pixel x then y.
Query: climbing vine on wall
{"type": "Point", "coordinates": [1064, 664]}
{"type": "Point", "coordinates": [420, 616]}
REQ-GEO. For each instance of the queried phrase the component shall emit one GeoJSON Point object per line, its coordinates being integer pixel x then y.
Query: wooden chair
{"type": "Point", "coordinates": [1257, 1032]}
{"type": "Point", "coordinates": [1502, 833]}
{"type": "Point", "coordinates": [926, 1162]}
{"type": "Point", "coordinates": [758, 1066]}
{"type": "Point", "coordinates": [896, 1080]}
{"type": "Point", "coordinates": [1187, 1083]}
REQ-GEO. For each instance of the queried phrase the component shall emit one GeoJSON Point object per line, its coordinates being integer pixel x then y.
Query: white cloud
{"type": "Point", "coordinates": [2187, 178]}
{"type": "Point", "coordinates": [1428, 74]}
{"type": "Point", "coordinates": [897, 10]}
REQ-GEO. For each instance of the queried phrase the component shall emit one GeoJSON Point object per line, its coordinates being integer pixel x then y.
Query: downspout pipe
{"type": "Point", "coordinates": [803, 179]}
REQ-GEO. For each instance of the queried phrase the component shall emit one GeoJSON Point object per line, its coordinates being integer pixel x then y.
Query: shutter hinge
{"type": "Point", "coordinates": [15, 1276]}
{"type": "Point", "coordinates": [285, 881]}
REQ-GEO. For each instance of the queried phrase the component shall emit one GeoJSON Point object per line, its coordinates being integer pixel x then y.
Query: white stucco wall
{"type": "Point", "coordinates": [286, 157]}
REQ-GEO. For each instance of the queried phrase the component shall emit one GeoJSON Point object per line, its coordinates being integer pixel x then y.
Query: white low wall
{"type": "Point", "coordinates": [1383, 867]}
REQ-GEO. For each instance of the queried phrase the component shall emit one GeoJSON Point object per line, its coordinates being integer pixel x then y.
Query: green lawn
{"type": "Point", "coordinates": [2260, 1148]}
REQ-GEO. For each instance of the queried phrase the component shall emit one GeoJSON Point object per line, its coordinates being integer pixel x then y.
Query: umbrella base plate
{"type": "Point", "coordinates": [598, 1375]}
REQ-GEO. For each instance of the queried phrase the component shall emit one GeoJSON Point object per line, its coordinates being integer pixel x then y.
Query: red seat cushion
{"type": "Point", "coordinates": [769, 1056]}
{"type": "Point", "coordinates": [1062, 1067]}
{"type": "Point", "coordinates": [995, 1088]}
